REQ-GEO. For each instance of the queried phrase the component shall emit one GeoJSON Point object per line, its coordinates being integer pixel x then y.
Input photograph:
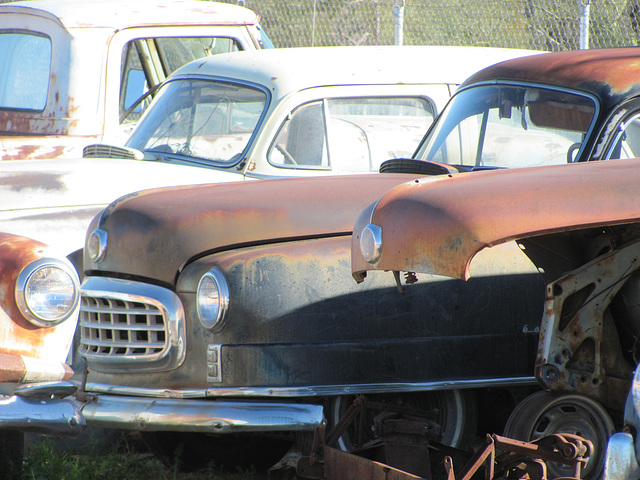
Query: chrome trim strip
{"type": "Point", "coordinates": [51, 416]}
{"type": "Point", "coordinates": [311, 391]}
{"type": "Point", "coordinates": [206, 416]}
{"type": "Point", "coordinates": [168, 304]}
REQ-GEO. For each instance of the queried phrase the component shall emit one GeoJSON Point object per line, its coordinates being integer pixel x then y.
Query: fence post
{"type": "Point", "coordinates": [398, 19]}
{"type": "Point", "coordinates": [584, 24]}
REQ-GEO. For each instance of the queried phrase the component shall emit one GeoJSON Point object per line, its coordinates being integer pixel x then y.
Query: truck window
{"type": "Point", "coordinates": [25, 65]}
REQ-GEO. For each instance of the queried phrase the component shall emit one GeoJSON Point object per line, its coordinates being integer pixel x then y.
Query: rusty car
{"type": "Point", "coordinates": [206, 307]}
{"type": "Point", "coordinates": [39, 301]}
{"type": "Point", "coordinates": [73, 70]}
{"type": "Point", "coordinates": [578, 223]}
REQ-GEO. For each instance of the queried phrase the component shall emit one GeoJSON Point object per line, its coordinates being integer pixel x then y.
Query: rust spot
{"type": "Point", "coordinates": [12, 368]}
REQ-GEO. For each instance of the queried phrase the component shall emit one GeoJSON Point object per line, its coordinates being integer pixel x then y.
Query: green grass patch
{"type": "Point", "coordinates": [125, 460]}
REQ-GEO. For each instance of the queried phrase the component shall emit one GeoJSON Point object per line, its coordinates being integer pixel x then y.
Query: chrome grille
{"type": "Point", "coordinates": [114, 327]}
{"type": "Point", "coordinates": [126, 324]}
{"type": "Point", "coordinates": [109, 151]}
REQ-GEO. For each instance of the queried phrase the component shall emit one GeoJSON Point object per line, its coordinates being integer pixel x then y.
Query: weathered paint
{"type": "Point", "coordinates": [438, 226]}
{"type": "Point", "coordinates": [23, 369]}
{"type": "Point", "coordinates": [27, 352]}
{"type": "Point", "coordinates": [284, 248]}
{"type": "Point", "coordinates": [182, 223]}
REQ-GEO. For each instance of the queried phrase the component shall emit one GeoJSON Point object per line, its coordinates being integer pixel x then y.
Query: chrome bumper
{"type": "Point", "coordinates": [35, 408]}
{"type": "Point", "coordinates": [206, 416]}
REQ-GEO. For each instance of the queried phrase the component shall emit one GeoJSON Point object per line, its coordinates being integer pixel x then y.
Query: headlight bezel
{"type": "Point", "coordinates": [26, 305]}
{"type": "Point", "coordinates": [210, 320]}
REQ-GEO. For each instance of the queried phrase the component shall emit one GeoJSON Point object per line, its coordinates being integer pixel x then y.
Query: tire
{"type": "Point", "coordinates": [194, 451]}
{"type": "Point", "coordinates": [11, 454]}
{"type": "Point", "coordinates": [544, 413]}
{"type": "Point", "coordinates": [458, 414]}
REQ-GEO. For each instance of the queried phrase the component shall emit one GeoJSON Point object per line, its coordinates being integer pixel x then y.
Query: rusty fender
{"type": "Point", "coordinates": [27, 352]}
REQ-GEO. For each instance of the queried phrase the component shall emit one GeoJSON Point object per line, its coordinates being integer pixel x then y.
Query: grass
{"type": "Point", "coordinates": [126, 459]}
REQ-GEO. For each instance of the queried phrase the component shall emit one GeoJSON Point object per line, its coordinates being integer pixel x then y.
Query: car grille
{"type": "Point", "coordinates": [124, 323]}
{"type": "Point", "coordinates": [114, 327]}
{"type": "Point", "coordinates": [109, 151]}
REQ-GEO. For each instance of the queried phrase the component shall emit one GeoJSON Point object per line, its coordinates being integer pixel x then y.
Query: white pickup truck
{"type": "Point", "coordinates": [71, 71]}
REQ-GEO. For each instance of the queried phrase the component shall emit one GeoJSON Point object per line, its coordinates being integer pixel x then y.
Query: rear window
{"type": "Point", "coordinates": [25, 65]}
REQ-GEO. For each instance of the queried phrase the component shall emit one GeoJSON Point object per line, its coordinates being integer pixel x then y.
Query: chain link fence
{"type": "Point", "coordinates": [550, 25]}
{"type": "Point", "coordinates": [536, 24]}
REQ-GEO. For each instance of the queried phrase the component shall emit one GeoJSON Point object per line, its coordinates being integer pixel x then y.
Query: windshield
{"type": "Point", "coordinates": [209, 120]}
{"type": "Point", "coordinates": [506, 126]}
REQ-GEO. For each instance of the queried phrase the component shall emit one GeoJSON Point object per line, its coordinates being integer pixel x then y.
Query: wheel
{"type": "Point", "coordinates": [11, 454]}
{"type": "Point", "coordinates": [458, 415]}
{"type": "Point", "coordinates": [544, 413]}
{"type": "Point", "coordinates": [193, 451]}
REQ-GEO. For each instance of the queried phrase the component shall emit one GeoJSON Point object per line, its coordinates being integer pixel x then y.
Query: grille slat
{"type": "Point", "coordinates": [140, 328]}
{"type": "Point", "coordinates": [122, 310]}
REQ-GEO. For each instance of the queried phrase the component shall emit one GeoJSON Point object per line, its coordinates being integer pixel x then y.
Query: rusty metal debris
{"type": "Point", "coordinates": [406, 447]}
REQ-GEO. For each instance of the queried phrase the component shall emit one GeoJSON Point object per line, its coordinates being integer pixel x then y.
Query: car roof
{"type": "Point", "coordinates": [609, 74]}
{"type": "Point", "coordinates": [293, 69]}
{"type": "Point", "coordinates": [119, 14]}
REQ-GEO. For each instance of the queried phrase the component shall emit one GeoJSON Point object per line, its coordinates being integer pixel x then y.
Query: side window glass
{"type": "Point", "coordinates": [176, 52]}
{"type": "Point", "coordinates": [133, 83]}
{"type": "Point", "coordinates": [364, 132]}
{"type": "Point", "coordinates": [301, 141]}
{"type": "Point", "coordinates": [357, 135]}
{"type": "Point", "coordinates": [25, 65]}
{"type": "Point", "coordinates": [627, 144]}
{"type": "Point", "coordinates": [147, 62]}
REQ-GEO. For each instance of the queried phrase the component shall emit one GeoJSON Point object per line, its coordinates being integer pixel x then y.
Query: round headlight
{"type": "Point", "coordinates": [47, 291]}
{"type": "Point", "coordinates": [213, 299]}
{"type": "Point", "coordinates": [371, 243]}
{"type": "Point", "coordinates": [97, 245]}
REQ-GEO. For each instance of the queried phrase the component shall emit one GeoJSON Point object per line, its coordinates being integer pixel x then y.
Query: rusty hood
{"type": "Point", "coordinates": [438, 226]}
{"type": "Point", "coordinates": [155, 233]}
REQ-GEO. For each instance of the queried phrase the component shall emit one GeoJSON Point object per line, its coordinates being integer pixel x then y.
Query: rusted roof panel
{"type": "Point", "coordinates": [437, 226]}
{"type": "Point", "coordinates": [602, 72]}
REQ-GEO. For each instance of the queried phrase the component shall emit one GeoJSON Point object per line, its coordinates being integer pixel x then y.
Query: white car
{"type": "Point", "coordinates": [70, 70]}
